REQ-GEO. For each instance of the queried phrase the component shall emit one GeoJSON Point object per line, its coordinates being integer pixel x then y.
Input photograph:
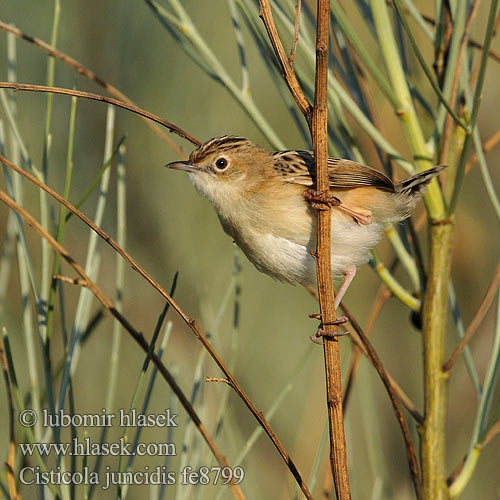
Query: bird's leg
{"type": "Point", "coordinates": [348, 277]}
{"type": "Point", "coordinates": [318, 200]}
{"type": "Point", "coordinates": [361, 215]}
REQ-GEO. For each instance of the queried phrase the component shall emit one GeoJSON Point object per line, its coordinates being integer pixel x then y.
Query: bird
{"type": "Point", "coordinates": [266, 202]}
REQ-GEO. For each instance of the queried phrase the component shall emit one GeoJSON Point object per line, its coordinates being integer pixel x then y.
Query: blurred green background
{"type": "Point", "coordinates": [170, 228]}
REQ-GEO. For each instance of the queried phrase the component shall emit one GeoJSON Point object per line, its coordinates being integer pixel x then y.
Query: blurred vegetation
{"type": "Point", "coordinates": [170, 228]}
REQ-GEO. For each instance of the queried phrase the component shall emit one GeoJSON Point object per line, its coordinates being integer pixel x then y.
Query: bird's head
{"type": "Point", "coordinates": [226, 169]}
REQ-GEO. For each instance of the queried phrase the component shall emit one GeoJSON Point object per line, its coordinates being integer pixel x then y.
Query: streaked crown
{"type": "Point", "coordinates": [225, 143]}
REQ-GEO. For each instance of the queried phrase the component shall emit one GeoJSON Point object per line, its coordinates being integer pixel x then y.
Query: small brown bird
{"type": "Point", "coordinates": [263, 201]}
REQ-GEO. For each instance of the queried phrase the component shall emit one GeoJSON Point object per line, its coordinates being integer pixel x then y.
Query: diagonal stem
{"type": "Point", "coordinates": [286, 67]}
{"type": "Point", "coordinates": [136, 335]}
{"type": "Point", "coordinates": [96, 97]}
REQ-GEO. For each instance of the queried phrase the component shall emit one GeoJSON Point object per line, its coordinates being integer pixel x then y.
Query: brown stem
{"type": "Point", "coordinates": [317, 120]}
{"type": "Point", "coordinates": [82, 70]}
{"type": "Point", "coordinates": [338, 451]}
{"type": "Point", "coordinates": [191, 323]}
{"type": "Point", "coordinates": [287, 69]}
{"type": "Point", "coordinates": [476, 321]}
{"type": "Point", "coordinates": [96, 97]}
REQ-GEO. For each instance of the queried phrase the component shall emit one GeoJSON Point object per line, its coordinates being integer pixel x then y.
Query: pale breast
{"type": "Point", "coordinates": [280, 258]}
{"type": "Point", "coordinates": [286, 260]}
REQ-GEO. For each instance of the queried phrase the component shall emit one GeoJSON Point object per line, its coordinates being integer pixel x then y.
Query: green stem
{"type": "Point", "coordinates": [62, 216]}
{"type": "Point", "coordinates": [427, 70]}
{"type": "Point", "coordinates": [435, 312]}
{"type": "Point", "coordinates": [394, 286]}
{"type": "Point", "coordinates": [407, 113]}
{"type": "Point", "coordinates": [405, 257]}
{"type": "Point", "coordinates": [382, 81]}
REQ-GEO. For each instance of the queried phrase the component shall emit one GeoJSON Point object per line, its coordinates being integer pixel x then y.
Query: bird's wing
{"type": "Point", "coordinates": [298, 168]}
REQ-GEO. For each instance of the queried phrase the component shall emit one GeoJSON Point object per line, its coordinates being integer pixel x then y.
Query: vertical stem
{"type": "Point", "coordinates": [433, 448]}
{"type": "Point", "coordinates": [407, 112]}
{"type": "Point", "coordinates": [338, 452]}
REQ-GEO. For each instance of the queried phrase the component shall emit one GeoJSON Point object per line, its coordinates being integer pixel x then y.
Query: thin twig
{"type": "Point", "coordinates": [427, 70]}
{"type": "Point", "coordinates": [136, 335]}
{"type": "Point", "coordinates": [474, 112]}
{"type": "Point", "coordinates": [476, 321]}
{"type": "Point", "coordinates": [487, 146]}
{"type": "Point", "coordinates": [475, 71]}
{"type": "Point", "coordinates": [12, 438]}
{"type": "Point", "coordinates": [298, 11]}
{"type": "Point", "coordinates": [287, 69]}
{"type": "Point", "coordinates": [83, 70]}
{"type": "Point", "coordinates": [190, 322]}
{"type": "Point", "coordinates": [71, 281]}
{"type": "Point", "coordinates": [219, 380]}
{"type": "Point", "coordinates": [432, 22]}
{"type": "Point", "coordinates": [398, 391]}
{"type": "Point", "coordinates": [96, 97]}
{"type": "Point", "coordinates": [443, 156]}
{"type": "Point", "coordinates": [494, 431]}
{"type": "Point", "coordinates": [383, 295]}
{"type": "Point", "coordinates": [410, 450]}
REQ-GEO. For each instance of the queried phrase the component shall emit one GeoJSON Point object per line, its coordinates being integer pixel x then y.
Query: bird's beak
{"type": "Point", "coordinates": [183, 165]}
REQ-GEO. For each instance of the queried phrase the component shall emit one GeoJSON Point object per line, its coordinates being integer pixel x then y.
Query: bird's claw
{"type": "Point", "coordinates": [323, 333]}
{"type": "Point", "coordinates": [340, 320]}
{"type": "Point", "coordinates": [318, 199]}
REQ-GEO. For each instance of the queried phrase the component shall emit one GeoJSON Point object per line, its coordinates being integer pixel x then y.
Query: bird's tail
{"type": "Point", "coordinates": [416, 185]}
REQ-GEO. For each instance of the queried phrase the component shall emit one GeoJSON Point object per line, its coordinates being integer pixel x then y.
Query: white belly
{"type": "Point", "coordinates": [286, 260]}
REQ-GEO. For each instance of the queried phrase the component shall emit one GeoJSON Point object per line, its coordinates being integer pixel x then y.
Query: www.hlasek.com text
{"type": "Point", "coordinates": [88, 448]}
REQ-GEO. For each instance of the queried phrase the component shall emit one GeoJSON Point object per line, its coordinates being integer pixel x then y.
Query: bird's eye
{"type": "Point", "coordinates": [221, 164]}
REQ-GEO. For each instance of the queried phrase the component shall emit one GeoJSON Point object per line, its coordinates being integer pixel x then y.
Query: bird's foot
{"type": "Point", "coordinates": [320, 332]}
{"type": "Point", "coordinates": [318, 199]}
